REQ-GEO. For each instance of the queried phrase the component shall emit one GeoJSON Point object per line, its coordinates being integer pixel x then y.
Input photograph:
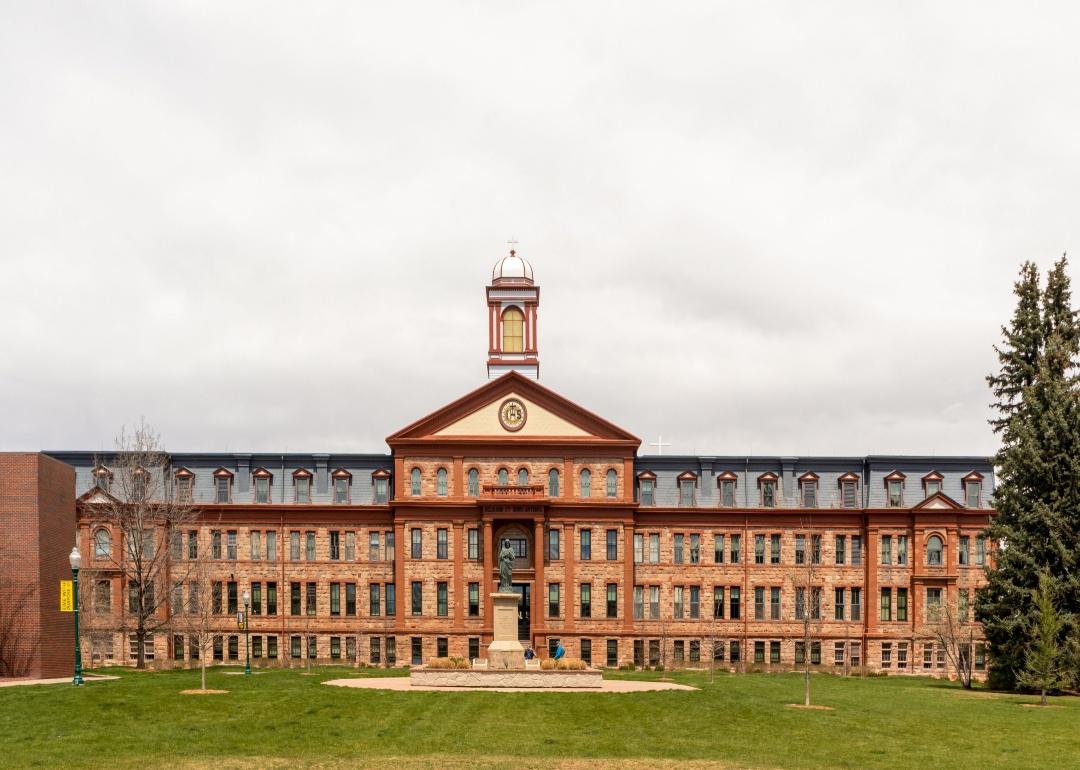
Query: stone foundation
{"type": "Point", "coordinates": [424, 677]}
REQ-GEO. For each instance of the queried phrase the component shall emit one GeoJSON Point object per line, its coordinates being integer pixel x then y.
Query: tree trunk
{"type": "Point", "coordinates": [202, 672]}
{"type": "Point", "coordinates": [1044, 697]}
{"type": "Point", "coordinates": [140, 640]}
{"type": "Point", "coordinates": [806, 678]}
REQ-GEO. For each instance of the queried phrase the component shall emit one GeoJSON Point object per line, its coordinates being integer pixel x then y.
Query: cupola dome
{"type": "Point", "coordinates": [512, 269]}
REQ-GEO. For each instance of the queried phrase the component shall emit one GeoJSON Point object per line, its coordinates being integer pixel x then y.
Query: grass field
{"type": "Point", "coordinates": [283, 718]}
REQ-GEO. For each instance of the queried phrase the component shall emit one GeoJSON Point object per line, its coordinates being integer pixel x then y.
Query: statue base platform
{"type": "Point", "coordinates": [505, 651]}
{"type": "Point", "coordinates": [555, 680]}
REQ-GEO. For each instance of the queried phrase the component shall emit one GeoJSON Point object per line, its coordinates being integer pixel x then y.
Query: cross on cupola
{"type": "Point", "coordinates": [512, 300]}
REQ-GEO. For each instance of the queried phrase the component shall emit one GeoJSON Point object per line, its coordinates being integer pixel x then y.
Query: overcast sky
{"type": "Point", "coordinates": [758, 227]}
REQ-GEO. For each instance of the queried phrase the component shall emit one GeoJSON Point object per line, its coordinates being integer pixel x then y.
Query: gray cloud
{"type": "Point", "coordinates": [770, 228]}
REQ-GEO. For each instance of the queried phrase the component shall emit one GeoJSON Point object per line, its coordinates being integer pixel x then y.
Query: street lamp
{"type": "Point", "coordinates": [247, 645]}
{"type": "Point", "coordinates": [75, 559]}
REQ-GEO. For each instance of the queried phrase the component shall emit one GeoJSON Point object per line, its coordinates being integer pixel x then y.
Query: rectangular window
{"type": "Point", "coordinates": [417, 598]}
{"type": "Point", "coordinates": [639, 549]}
{"type": "Point", "coordinates": [856, 550]}
{"type": "Point", "coordinates": [838, 604]}
{"type": "Point", "coordinates": [639, 652]}
{"type": "Point", "coordinates": [727, 494]}
{"type": "Point", "coordinates": [335, 646]}
{"type": "Point", "coordinates": [735, 652]}
{"type": "Point", "coordinates": [232, 597]}
{"type": "Point", "coordinates": [381, 488]}
{"type": "Point", "coordinates": [759, 603]}
{"type": "Point", "coordinates": [695, 650]}
{"type": "Point", "coordinates": [271, 598]}
{"type": "Point", "coordinates": [695, 549]}
{"type": "Point", "coordinates": [256, 598]}
{"type": "Point", "coordinates": [886, 604]}
{"type": "Point", "coordinates": [474, 600]}
{"type": "Point", "coordinates": [933, 604]}
{"type": "Point", "coordinates": [678, 609]}
{"type": "Point", "coordinates": [234, 648]}
{"type": "Point", "coordinates": [391, 603]}
{"type": "Point", "coordinates": [256, 646]}
{"type": "Point", "coordinates": [374, 599]}
{"type": "Point", "coordinates": [768, 494]}
{"type": "Point", "coordinates": [388, 539]}
{"type": "Point", "coordinates": [294, 546]}
{"type": "Point", "coordinates": [294, 646]}
{"type": "Point", "coordinates": [800, 603]}
{"type": "Point", "coordinates": [586, 544]}
{"type": "Point", "coordinates": [341, 489]}
{"type": "Point", "coordinates": [350, 647]}
{"type": "Point", "coordinates": [654, 548]}
{"type": "Point", "coordinates": [474, 647]}
{"type": "Point", "coordinates": [553, 544]}
{"type": "Point", "coordinates": [736, 544]}
{"type": "Point", "coordinates": [964, 550]}
{"type": "Point", "coordinates": [256, 545]}
{"type": "Point", "coordinates": [759, 652]}
{"type": "Point", "coordinates": [417, 543]}
{"type": "Point", "coordinates": [442, 548]}
{"type": "Point", "coordinates": [639, 602]}
{"type": "Point", "coordinates": [809, 491]}
{"type": "Point", "coordinates": [474, 544]}
{"type": "Point", "coordinates": [231, 545]}
{"type": "Point", "coordinates": [734, 603]}
{"type": "Point", "coordinates": [686, 493]}
{"type": "Point", "coordinates": [695, 602]}
{"type": "Point", "coordinates": [612, 653]}
{"type": "Point", "coordinates": [800, 549]}
{"type": "Point", "coordinates": [654, 602]}
{"type": "Point", "coordinates": [350, 600]}
{"type": "Point", "coordinates": [840, 548]}
{"type": "Point", "coordinates": [612, 545]}
{"type": "Point", "coordinates": [759, 549]}
{"type": "Point", "coordinates": [375, 650]}
{"type": "Point", "coordinates": [646, 488]}
{"type": "Point", "coordinates": [310, 546]}
{"type": "Point", "coordinates": [303, 489]}
{"type": "Point", "coordinates": [718, 549]}
{"type": "Point", "coordinates": [193, 544]}
{"type": "Point", "coordinates": [886, 654]}
{"type": "Point", "coordinates": [774, 652]}
{"type": "Point", "coordinates": [586, 600]}
{"type": "Point", "coordinates": [980, 550]}
{"type": "Point", "coordinates": [774, 556]}
{"type": "Point", "coordinates": [441, 600]}
{"type": "Point", "coordinates": [677, 549]}
{"type": "Point", "coordinates": [271, 545]}
{"type": "Point", "coordinates": [586, 651]}
{"type": "Point", "coordinates": [972, 493]}
{"type": "Point", "coordinates": [350, 546]}
{"type": "Point", "coordinates": [962, 604]}
{"type": "Point", "coordinates": [815, 549]}
{"type": "Point", "coordinates": [553, 600]}
{"type": "Point", "coordinates": [901, 604]}
{"type": "Point", "coordinates": [222, 486]}
{"type": "Point", "coordinates": [335, 599]}
{"type": "Point", "coordinates": [373, 546]}
{"type": "Point", "coordinates": [901, 550]}
{"type": "Point", "coordinates": [774, 603]}
{"type": "Point", "coordinates": [896, 494]}
{"type": "Point", "coordinates": [312, 603]}
{"type": "Point", "coordinates": [215, 543]}
{"type": "Point", "coordinates": [335, 545]}
{"type": "Point", "coordinates": [847, 494]}
{"type": "Point", "coordinates": [718, 602]}
{"type": "Point", "coordinates": [391, 650]}
{"type": "Point", "coordinates": [312, 647]}
{"type": "Point", "coordinates": [856, 604]}
{"type": "Point", "coordinates": [901, 655]}
{"type": "Point", "coordinates": [262, 489]}
{"type": "Point", "coordinates": [612, 600]}
{"type": "Point", "coordinates": [679, 651]}
{"type": "Point", "coordinates": [886, 549]}
{"type": "Point", "coordinates": [654, 652]}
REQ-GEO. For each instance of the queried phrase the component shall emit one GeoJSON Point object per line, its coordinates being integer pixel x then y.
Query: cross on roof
{"type": "Point", "coordinates": [513, 242]}
{"type": "Point", "coordinates": [659, 444]}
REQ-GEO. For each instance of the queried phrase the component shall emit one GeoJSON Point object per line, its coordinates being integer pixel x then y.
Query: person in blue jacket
{"type": "Point", "coordinates": [559, 651]}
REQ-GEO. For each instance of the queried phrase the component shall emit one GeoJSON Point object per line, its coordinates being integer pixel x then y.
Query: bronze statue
{"type": "Point", "coordinates": [506, 567]}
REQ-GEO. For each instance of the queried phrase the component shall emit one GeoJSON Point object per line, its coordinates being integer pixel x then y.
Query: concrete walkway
{"type": "Point", "coordinates": [60, 680]}
{"type": "Point", "coordinates": [402, 684]}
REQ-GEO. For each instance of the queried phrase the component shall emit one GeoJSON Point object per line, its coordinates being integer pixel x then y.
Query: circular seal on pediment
{"type": "Point", "coordinates": [512, 414]}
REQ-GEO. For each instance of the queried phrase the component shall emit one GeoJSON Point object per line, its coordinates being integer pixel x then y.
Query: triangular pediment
{"type": "Point", "coordinates": [96, 496]}
{"type": "Point", "coordinates": [510, 408]}
{"type": "Point", "coordinates": [939, 501]}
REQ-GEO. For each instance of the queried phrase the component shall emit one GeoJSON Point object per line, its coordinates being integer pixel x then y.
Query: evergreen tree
{"type": "Point", "coordinates": [1047, 667]}
{"type": "Point", "coordinates": [1019, 355]}
{"type": "Point", "coordinates": [1038, 492]}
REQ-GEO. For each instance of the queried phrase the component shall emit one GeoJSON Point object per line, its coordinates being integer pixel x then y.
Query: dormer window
{"type": "Point", "coordinates": [262, 478]}
{"type": "Point", "coordinates": [414, 482]}
{"type": "Point", "coordinates": [342, 486]}
{"type": "Point", "coordinates": [932, 483]}
{"type": "Point", "coordinates": [726, 482]}
{"type": "Point", "coordinates": [849, 490]}
{"type": "Point", "coordinates": [184, 479]}
{"type": "Point", "coordinates": [102, 478]}
{"type": "Point", "coordinates": [381, 481]}
{"type": "Point", "coordinates": [440, 482]}
{"type": "Point", "coordinates": [767, 484]}
{"type": "Point", "coordinates": [894, 490]}
{"type": "Point", "coordinates": [222, 486]}
{"type": "Point", "coordinates": [474, 482]}
{"type": "Point", "coordinates": [302, 485]}
{"type": "Point", "coordinates": [687, 487]}
{"type": "Point", "coordinates": [973, 490]}
{"type": "Point", "coordinates": [138, 484]}
{"type": "Point", "coordinates": [808, 487]}
{"type": "Point", "coordinates": [647, 488]}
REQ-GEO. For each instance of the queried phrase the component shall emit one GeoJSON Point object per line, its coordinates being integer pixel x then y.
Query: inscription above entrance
{"type": "Point", "coordinates": [512, 414]}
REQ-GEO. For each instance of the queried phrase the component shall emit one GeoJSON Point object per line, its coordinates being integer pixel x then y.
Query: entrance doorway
{"type": "Point", "coordinates": [523, 590]}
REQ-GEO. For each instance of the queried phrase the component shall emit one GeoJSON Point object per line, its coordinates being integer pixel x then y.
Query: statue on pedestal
{"type": "Point", "coordinates": [506, 567]}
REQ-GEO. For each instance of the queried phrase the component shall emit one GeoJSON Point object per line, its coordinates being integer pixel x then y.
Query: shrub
{"type": "Point", "coordinates": [627, 667]}
{"type": "Point", "coordinates": [563, 664]}
{"type": "Point", "coordinates": [659, 667]}
{"type": "Point", "coordinates": [448, 663]}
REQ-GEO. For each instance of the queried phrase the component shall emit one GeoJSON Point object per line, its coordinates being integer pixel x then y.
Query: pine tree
{"type": "Point", "coordinates": [1047, 667]}
{"type": "Point", "coordinates": [1019, 355]}
{"type": "Point", "coordinates": [1038, 493]}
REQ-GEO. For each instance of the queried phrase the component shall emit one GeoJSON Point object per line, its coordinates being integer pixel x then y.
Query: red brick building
{"type": "Point", "coordinates": [389, 559]}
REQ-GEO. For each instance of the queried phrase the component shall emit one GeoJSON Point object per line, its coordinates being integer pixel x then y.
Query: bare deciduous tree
{"type": "Point", "coordinates": [196, 618]}
{"type": "Point", "coordinates": [144, 510]}
{"type": "Point", "coordinates": [18, 647]}
{"type": "Point", "coordinates": [955, 638]}
{"type": "Point", "coordinates": [811, 609]}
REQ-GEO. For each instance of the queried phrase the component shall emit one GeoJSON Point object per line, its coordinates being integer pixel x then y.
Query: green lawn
{"type": "Point", "coordinates": [282, 718]}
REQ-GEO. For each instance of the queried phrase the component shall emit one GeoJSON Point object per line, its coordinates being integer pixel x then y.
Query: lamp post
{"type": "Point", "coordinates": [247, 645]}
{"type": "Point", "coordinates": [75, 559]}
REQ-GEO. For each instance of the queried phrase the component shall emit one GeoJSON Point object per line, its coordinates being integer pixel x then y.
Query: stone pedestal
{"type": "Point", "coordinates": [505, 651]}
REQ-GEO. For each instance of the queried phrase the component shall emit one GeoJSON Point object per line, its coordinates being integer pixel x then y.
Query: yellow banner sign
{"type": "Point", "coordinates": [67, 597]}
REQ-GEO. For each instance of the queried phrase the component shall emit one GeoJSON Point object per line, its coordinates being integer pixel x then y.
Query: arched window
{"type": "Point", "coordinates": [414, 477]}
{"type": "Point", "coordinates": [513, 324]}
{"type": "Point", "coordinates": [523, 477]}
{"type": "Point", "coordinates": [934, 547]}
{"type": "Point", "coordinates": [586, 483]}
{"type": "Point", "coordinates": [612, 481]}
{"type": "Point", "coordinates": [102, 544]}
{"type": "Point", "coordinates": [474, 482]}
{"type": "Point", "coordinates": [440, 482]}
{"type": "Point", "coordinates": [553, 483]}
{"type": "Point", "coordinates": [504, 477]}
